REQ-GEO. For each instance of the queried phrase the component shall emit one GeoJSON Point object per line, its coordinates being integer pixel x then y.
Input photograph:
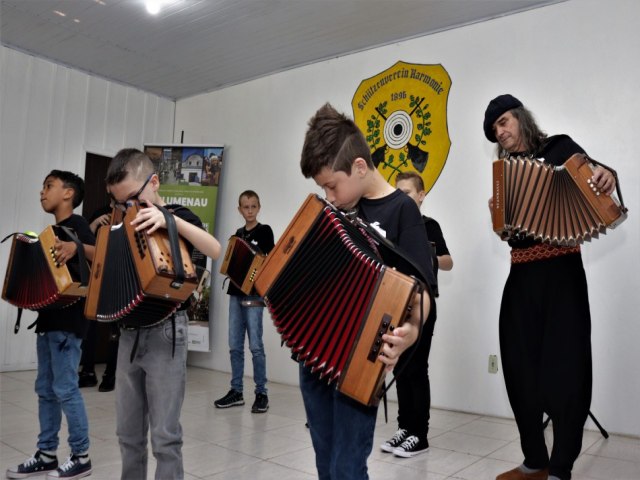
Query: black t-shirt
{"type": "Point", "coordinates": [260, 238]}
{"type": "Point", "coordinates": [71, 318]}
{"type": "Point", "coordinates": [555, 150]}
{"type": "Point", "coordinates": [398, 218]}
{"type": "Point", "coordinates": [198, 259]}
{"type": "Point", "coordinates": [434, 233]}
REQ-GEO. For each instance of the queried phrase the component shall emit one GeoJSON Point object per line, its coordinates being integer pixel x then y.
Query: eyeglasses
{"type": "Point", "coordinates": [123, 205]}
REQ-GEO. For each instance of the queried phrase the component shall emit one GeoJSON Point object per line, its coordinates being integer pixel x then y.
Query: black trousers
{"type": "Point", "coordinates": [89, 345]}
{"type": "Point", "coordinates": [412, 382]}
{"type": "Point", "coordinates": [545, 343]}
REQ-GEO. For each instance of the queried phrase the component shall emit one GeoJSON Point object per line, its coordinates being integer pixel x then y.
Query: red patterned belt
{"type": "Point", "coordinates": [540, 251]}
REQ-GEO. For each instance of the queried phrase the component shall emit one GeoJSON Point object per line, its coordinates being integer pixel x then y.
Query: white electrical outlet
{"type": "Point", "coordinates": [493, 364]}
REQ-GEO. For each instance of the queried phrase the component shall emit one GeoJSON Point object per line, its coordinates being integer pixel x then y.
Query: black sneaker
{"type": "Point", "coordinates": [37, 465]}
{"type": "Point", "coordinates": [87, 379]}
{"type": "Point", "coordinates": [411, 447]}
{"type": "Point", "coordinates": [231, 399]}
{"type": "Point", "coordinates": [395, 441]}
{"type": "Point", "coordinates": [261, 404]}
{"type": "Point", "coordinates": [108, 383]}
{"type": "Point", "coordinates": [76, 466]}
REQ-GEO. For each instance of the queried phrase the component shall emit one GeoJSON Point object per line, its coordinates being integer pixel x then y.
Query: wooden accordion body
{"type": "Point", "coordinates": [556, 205]}
{"type": "Point", "coordinates": [332, 299]}
{"type": "Point", "coordinates": [133, 275]}
{"type": "Point", "coordinates": [34, 280]}
{"type": "Point", "coordinates": [241, 263]}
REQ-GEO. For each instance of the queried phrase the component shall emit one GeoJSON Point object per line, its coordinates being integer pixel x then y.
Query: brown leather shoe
{"type": "Point", "coordinates": [517, 474]}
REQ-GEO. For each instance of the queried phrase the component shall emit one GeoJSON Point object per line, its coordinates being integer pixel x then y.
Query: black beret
{"type": "Point", "coordinates": [498, 106]}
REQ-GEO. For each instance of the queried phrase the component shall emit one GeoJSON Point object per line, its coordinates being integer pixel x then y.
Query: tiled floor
{"type": "Point", "coordinates": [235, 444]}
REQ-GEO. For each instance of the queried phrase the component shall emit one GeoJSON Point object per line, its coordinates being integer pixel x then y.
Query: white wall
{"type": "Point", "coordinates": [50, 116]}
{"type": "Point", "coordinates": [576, 66]}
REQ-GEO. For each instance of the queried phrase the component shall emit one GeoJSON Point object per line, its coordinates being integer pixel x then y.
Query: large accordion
{"type": "Point", "coordinates": [136, 277]}
{"type": "Point", "coordinates": [555, 205]}
{"type": "Point", "coordinates": [35, 281]}
{"type": "Point", "coordinates": [331, 298]}
{"type": "Point", "coordinates": [241, 263]}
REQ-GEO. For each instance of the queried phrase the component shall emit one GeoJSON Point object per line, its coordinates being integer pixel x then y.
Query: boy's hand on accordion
{"type": "Point", "coordinates": [64, 251]}
{"type": "Point", "coordinates": [149, 219]}
{"type": "Point", "coordinates": [405, 335]}
{"type": "Point", "coordinates": [396, 342]}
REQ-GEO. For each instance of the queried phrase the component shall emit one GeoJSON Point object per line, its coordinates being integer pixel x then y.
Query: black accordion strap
{"type": "Point", "coordinates": [16, 327]}
{"type": "Point", "coordinates": [174, 243]}
{"type": "Point", "coordinates": [9, 236]}
{"type": "Point", "coordinates": [83, 266]}
{"type": "Point", "coordinates": [615, 175]}
{"type": "Point", "coordinates": [134, 349]}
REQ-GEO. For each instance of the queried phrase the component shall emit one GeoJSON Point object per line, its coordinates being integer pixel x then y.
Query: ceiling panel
{"type": "Point", "coordinates": [196, 46]}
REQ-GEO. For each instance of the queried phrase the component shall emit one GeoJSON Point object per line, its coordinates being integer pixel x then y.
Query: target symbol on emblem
{"type": "Point", "coordinates": [398, 129]}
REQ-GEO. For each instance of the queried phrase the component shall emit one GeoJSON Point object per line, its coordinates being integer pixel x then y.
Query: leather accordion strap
{"type": "Point", "coordinates": [172, 231]}
{"type": "Point", "coordinates": [540, 251]}
{"type": "Point", "coordinates": [83, 266]}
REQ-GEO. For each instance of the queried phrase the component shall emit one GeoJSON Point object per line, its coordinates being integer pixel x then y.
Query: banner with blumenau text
{"type": "Point", "coordinates": [190, 176]}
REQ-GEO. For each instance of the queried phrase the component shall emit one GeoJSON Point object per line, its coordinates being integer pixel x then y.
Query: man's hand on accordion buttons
{"type": "Point", "coordinates": [64, 251]}
{"type": "Point", "coordinates": [396, 342]}
{"type": "Point", "coordinates": [149, 219]}
{"type": "Point", "coordinates": [604, 180]}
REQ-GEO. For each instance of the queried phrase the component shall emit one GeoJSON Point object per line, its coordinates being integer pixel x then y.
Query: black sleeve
{"type": "Point", "coordinates": [412, 239]}
{"type": "Point", "coordinates": [265, 240]}
{"type": "Point", "coordinates": [434, 232]}
{"type": "Point", "coordinates": [188, 216]}
{"type": "Point", "coordinates": [559, 148]}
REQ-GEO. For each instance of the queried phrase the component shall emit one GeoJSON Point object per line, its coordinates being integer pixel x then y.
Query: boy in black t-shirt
{"type": "Point", "coordinates": [412, 380]}
{"type": "Point", "coordinates": [245, 314]}
{"type": "Point", "coordinates": [60, 333]}
{"type": "Point", "coordinates": [337, 157]}
{"type": "Point", "coordinates": [150, 386]}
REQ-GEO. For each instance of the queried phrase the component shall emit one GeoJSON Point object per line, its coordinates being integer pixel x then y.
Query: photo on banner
{"type": "Point", "coordinates": [190, 176]}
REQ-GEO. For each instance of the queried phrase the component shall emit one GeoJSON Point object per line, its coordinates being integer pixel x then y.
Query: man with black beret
{"type": "Point", "coordinates": [545, 323]}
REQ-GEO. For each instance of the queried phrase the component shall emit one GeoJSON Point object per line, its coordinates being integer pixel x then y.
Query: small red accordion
{"type": "Point", "coordinates": [34, 280]}
{"type": "Point", "coordinates": [241, 263]}
{"type": "Point", "coordinates": [331, 298]}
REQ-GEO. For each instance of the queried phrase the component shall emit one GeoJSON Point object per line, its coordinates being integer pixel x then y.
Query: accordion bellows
{"type": "Point", "coordinates": [331, 298]}
{"type": "Point", "coordinates": [556, 205]}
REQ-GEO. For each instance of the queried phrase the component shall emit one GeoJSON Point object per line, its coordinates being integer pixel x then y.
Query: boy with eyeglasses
{"type": "Point", "coordinates": [150, 379]}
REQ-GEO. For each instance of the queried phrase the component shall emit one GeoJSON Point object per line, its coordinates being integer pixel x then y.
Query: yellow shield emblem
{"type": "Point", "coordinates": [403, 115]}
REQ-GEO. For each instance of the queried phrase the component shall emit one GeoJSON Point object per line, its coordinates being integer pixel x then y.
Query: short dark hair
{"type": "Point", "coordinates": [332, 140]}
{"type": "Point", "coordinates": [249, 194]}
{"type": "Point", "coordinates": [414, 177]}
{"type": "Point", "coordinates": [129, 161]}
{"type": "Point", "coordinates": [70, 180]}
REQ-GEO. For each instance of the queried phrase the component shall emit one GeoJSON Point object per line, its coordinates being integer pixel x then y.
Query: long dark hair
{"type": "Point", "coordinates": [533, 137]}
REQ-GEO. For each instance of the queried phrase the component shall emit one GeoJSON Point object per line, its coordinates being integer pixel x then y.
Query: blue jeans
{"type": "Point", "coordinates": [341, 429]}
{"type": "Point", "coordinates": [57, 388]}
{"type": "Point", "coordinates": [149, 395]}
{"type": "Point", "coordinates": [249, 320]}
